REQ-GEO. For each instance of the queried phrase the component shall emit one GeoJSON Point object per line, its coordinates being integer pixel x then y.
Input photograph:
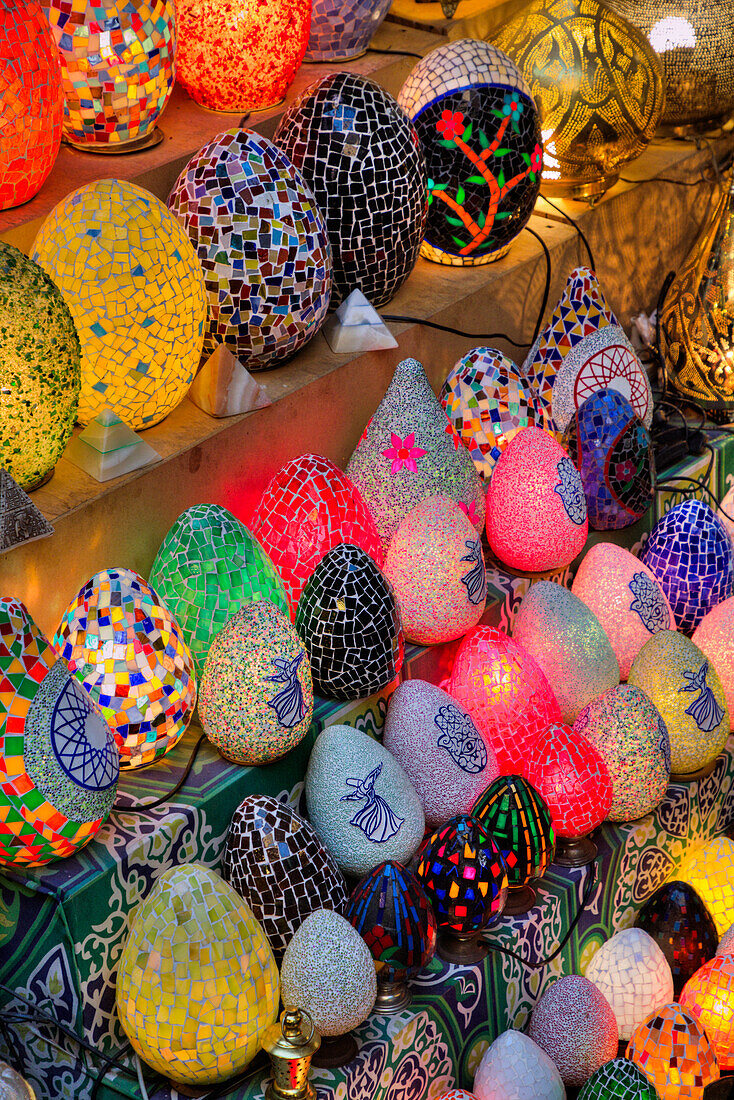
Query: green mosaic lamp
{"type": "Point", "coordinates": [619, 1079]}
{"type": "Point", "coordinates": [207, 567]}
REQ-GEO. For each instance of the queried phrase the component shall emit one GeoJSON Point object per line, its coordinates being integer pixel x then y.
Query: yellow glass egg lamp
{"type": "Point", "coordinates": [709, 869]}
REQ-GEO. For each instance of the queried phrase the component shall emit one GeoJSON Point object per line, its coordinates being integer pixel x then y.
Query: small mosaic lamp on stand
{"type": "Point", "coordinates": [393, 916]}
{"type": "Point", "coordinates": [117, 67]}
{"type": "Point", "coordinates": [290, 1044]}
{"type": "Point", "coordinates": [462, 870]}
{"type": "Point", "coordinates": [520, 822]}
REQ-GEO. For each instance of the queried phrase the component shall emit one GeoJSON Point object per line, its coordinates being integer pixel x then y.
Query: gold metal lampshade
{"type": "Point", "coordinates": [694, 40]}
{"type": "Point", "coordinates": [697, 316]}
{"type": "Point", "coordinates": [598, 85]}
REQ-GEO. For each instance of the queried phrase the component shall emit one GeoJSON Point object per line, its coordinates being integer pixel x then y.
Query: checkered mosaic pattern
{"type": "Point", "coordinates": [672, 1050]}
{"type": "Point", "coordinates": [135, 290]}
{"type": "Point", "coordinates": [462, 870]}
{"type": "Point", "coordinates": [340, 31]}
{"type": "Point", "coordinates": [393, 915]}
{"type": "Point", "coordinates": [276, 862]}
{"type": "Point", "coordinates": [262, 245]}
{"type": "Point", "coordinates": [520, 822]}
{"type": "Point", "coordinates": [361, 156]}
{"type": "Point", "coordinates": [349, 621]}
{"type": "Point", "coordinates": [117, 65]}
{"type": "Point", "coordinates": [570, 775]}
{"type": "Point", "coordinates": [682, 927]}
{"type": "Point", "coordinates": [31, 101]}
{"type": "Point", "coordinates": [124, 647]}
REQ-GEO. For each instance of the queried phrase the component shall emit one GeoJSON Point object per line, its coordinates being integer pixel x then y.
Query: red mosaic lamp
{"type": "Point", "coordinates": [31, 101]}
{"type": "Point", "coordinates": [235, 56]}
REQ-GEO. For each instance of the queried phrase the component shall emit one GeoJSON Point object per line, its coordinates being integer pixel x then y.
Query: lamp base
{"type": "Point", "coordinates": [582, 190]}
{"type": "Point", "coordinates": [520, 899]}
{"type": "Point", "coordinates": [575, 852]}
{"type": "Point", "coordinates": [119, 148]}
{"type": "Point", "coordinates": [336, 1050]}
{"type": "Point", "coordinates": [330, 58]}
{"type": "Point", "coordinates": [464, 948]}
{"type": "Point", "coordinates": [392, 997]}
{"type": "Point", "coordinates": [689, 777]}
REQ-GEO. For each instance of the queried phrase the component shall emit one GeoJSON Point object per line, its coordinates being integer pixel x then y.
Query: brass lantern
{"type": "Point", "coordinates": [598, 85]}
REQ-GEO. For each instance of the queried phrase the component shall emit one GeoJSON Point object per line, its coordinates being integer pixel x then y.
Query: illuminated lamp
{"type": "Point", "coordinates": [633, 974]}
{"type": "Point", "coordinates": [520, 822]}
{"type": "Point", "coordinates": [505, 692]}
{"type": "Point", "coordinates": [125, 649]}
{"type": "Point", "coordinates": [461, 869]}
{"type": "Point", "coordinates": [599, 88]}
{"type": "Point", "coordinates": [117, 68]}
{"type": "Point", "coordinates": [346, 136]}
{"type": "Point", "coordinates": [343, 31]}
{"type": "Point", "coordinates": [709, 869]}
{"type": "Point", "coordinates": [582, 349]}
{"type": "Point", "coordinates": [135, 290]}
{"type": "Point", "coordinates": [261, 243]}
{"type": "Point", "coordinates": [570, 775]}
{"type": "Point", "coordinates": [59, 761]}
{"type": "Point", "coordinates": [234, 56]}
{"type": "Point", "coordinates": [674, 1053]}
{"type": "Point", "coordinates": [693, 42]}
{"type": "Point", "coordinates": [393, 916]}
{"type": "Point", "coordinates": [536, 509]}
{"type": "Point", "coordinates": [39, 370]}
{"type": "Point", "coordinates": [488, 402]}
{"type": "Point", "coordinates": [308, 507]}
{"type": "Point", "coordinates": [682, 927]}
{"type": "Point", "coordinates": [574, 1024]}
{"type": "Point", "coordinates": [697, 316]}
{"type": "Point", "coordinates": [714, 636]}
{"type": "Point", "coordinates": [709, 996]}
{"type": "Point", "coordinates": [480, 132]}
{"type": "Point", "coordinates": [31, 101]}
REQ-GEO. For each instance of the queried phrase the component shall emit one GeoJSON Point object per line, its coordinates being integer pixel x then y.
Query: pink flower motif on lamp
{"type": "Point", "coordinates": [403, 453]}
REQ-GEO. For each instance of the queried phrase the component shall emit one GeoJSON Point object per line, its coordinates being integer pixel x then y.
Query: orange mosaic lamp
{"type": "Point", "coordinates": [709, 996]}
{"type": "Point", "coordinates": [117, 66]}
{"type": "Point", "coordinates": [673, 1051]}
{"type": "Point", "coordinates": [31, 101]}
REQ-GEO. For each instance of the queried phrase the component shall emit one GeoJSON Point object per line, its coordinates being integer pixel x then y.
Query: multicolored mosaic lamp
{"type": "Point", "coordinates": [461, 868]}
{"type": "Point", "coordinates": [520, 822]}
{"type": "Point", "coordinates": [195, 996]}
{"type": "Point", "coordinates": [261, 243]}
{"type": "Point", "coordinates": [125, 649]}
{"type": "Point", "coordinates": [135, 290]}
{"type": "Point", "coordinates": [208, 567]}
{"type": "Point", "coordinates": [480, 131]}
{"type": "Point", "coordinates": [59, 761]}
{"type": "Point", "coordinates": [393, 916]}
{"type": "Point", "coordinates": [40, 372]}
{"type": "Point", "coordinates": [633, 974]}
{"type": "Point", "coordinates": [598, 85]}
{"type": "Point", "coordinates": [233, 57]}
{"type": "Point", "coordinates": [32, 101]}
{"type": "Point", "coordinates": [709, 996]}
{"type": "Point", "coordinates": [709, 869]}
{"type": "Point", "coordinates": [674, 1053]}
{"type": "Point", "coordinates": [681, 925]}
{"type": "Point", "coordinates": [343, 31]}
{"type": "Point", "coordinates": [117, 67]}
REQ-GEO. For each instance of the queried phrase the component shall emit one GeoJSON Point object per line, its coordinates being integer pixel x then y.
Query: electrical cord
{"type": "Point", "coordinates": [576, 226]}
{"type": "Point", "coordinates": [546, 291]}
{"type": "Point", "coordinates": [398, 53]}
{"type": "Point", "coordinates": [138, 808]}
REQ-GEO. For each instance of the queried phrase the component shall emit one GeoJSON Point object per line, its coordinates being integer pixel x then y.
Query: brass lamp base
{"type": "Point", "coordinates": [690, 777]}
{"type": "Point", "coordinates": [336, 1050]}
{"type": "Point", "coordinates": [392, 997]}
{"type": "Point", "coordinates": [580, 190]}
{"type": "Point", "coordinates": [464, 948]}
{"type": "Point", "coordinates": [575, 852]}
{"type": "Point", "coordinates": [118, 148]}
{"type": "Point", "coordinates": [520, 899]}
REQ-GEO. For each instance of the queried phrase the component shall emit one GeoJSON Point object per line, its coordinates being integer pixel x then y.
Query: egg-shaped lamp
{"type": "Point", "coordinates": [709, 869]}
{"type": "Point", "coordinates": [574, 1024]}
{"type": "Point", "coordinates": [681, 925]}
{"type": "Point", "coordinates": [714, 636]}
{"type": "Point", "coordinates": [673, 1051]}
{"type": "Point", "coordinates": [709, 996]}
{"type": "Point", "coordinates": [342, 31]}
{"type": "Point", "coordinates": [634, 976]}
{"type": "Point", "coordinates": [117, 67]}
{"type": "Point", "coordinates": [619, 1079]}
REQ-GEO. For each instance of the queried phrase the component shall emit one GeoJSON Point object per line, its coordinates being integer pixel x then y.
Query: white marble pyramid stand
{"type": "Point", "coordinates": [356, 326]}
{"type": "Point", "coordinates": [224, 388]}
{"type": "Point", "coordinates": [107, 448]}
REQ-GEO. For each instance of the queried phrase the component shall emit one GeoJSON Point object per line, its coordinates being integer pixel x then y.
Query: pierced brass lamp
{"type": "Point", "coordinates": [598, 85]}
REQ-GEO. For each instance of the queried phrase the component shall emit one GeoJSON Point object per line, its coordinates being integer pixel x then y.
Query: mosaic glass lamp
{"type": "Point", "coordinates": [697, 316]}
{"type": "Point", "coordinates": [261, 243]}
{"type": "Point", "coordinates": [480, 132]}
{"type": "Point", "coordinates": [233, 56]}
{"type": "Point", "coordinates": [633, 974]}
{"type": "Point", "coordinates": [40, 371]}
{"type": "Point", "coordinates": [125, 649]}
{"type": "Point", "coordinates": [693, 42]}
{"type": "Point", "coordinates": [346, 136]}
{"type": "Point", "coordinates": [673, 1051]}
{"type": "Point", "coordinates": [681, 925]}
{"type": "Point", "coordinates": [461, 868]}
{"type": "Point", "coordinates": [598, 85]}
{"type": "Point", "coordinates": [32, 103]}
{"type": "Point", "coordinates": [117, 67]}
{"type": "Point", "coordinates": [343, 31]}
{"type": "Point", "coordinates": [619, 1079]}
{"type": "Point", "coordinates": [208, 567]}
{"type": "Point", "coordinates": [59, 761]}
{"type": "Point", "coordinates": [515, 1068]}
{"type": "Point", "coordinates": [393, 916]}
{"type": "Point", "coordinates": [195, 996]}
{"type": "Point", "coordinates": [709, 869]}
{"type": "Point", "coordinates": [136, 292]}
{"type": "Point", "coordinates": [520, 822]}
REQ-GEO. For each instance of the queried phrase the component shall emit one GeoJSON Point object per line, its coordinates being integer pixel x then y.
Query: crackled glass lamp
{"type": "Point", "coordinates": [234, 56]}
{"type": "Point", "coordinates": [599, 88]}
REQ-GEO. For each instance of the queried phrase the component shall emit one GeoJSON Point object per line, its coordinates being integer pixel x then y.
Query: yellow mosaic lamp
{"type": "Point", "coordinates": [709, 869]}
{"type": "Point", "coordinates": [197, 984]}
{"type": "Point", "coordinates": [598, 85]}
{"type": "Point", "coordinates": [135, 289]}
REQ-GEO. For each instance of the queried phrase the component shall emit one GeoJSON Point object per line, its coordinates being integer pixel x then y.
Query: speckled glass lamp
{"type": "Point", "coordinates": [136, 292]}
{"type": "Point", "coordinates": [598, 85]}
{"type": "Point", "coordinates": [32, 101]}
{"type": "Point", "coordinates": [117, 67]}
{"type": "Point", "coordinates": [342, 31]}
{"type": "Point", "coordinates": [40, 373]}
{"type": "Point", "coordinates": [480, 131]}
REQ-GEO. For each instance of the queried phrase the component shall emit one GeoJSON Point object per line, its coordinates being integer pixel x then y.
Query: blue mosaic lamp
{"type": "Point", "coordinates": [342, 29]}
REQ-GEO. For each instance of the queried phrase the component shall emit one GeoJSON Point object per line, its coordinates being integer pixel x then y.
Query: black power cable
{"type": "Point", "coordinates": [576, 226]}
{"type": "Point", "coordinates": [138, 808]}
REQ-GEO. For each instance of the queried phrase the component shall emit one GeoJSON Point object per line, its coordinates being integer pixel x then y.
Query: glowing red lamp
{"type": "Point", "coordinates": [31, 101]}
{"type": "Point", "coordinates": [709, 996]}
{"type": "Point", "coordinates": [570, 774]}
{"type": "Point", "coordinates": [505, 692]}
{"type": "Point", "coordinates": [307, 508]}
{"type": "Point", "coordinates": [233, 55]}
